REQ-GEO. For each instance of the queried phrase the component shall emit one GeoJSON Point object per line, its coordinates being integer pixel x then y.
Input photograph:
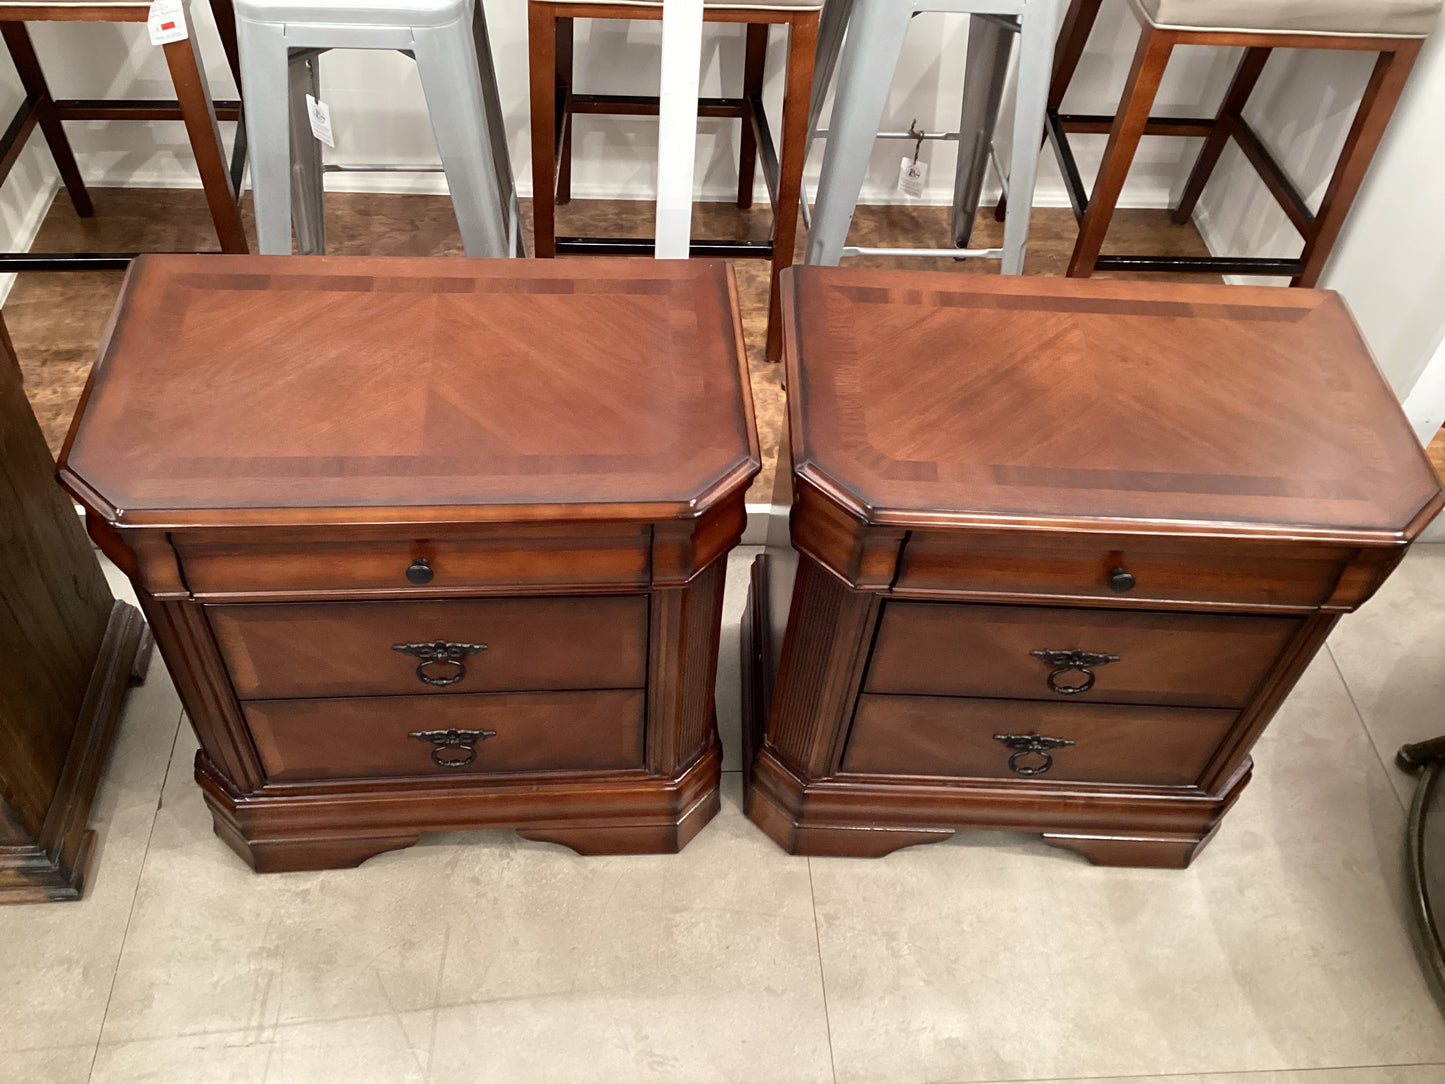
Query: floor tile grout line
{"type": "Point", "coordinates": [140, 875]}
{"type": "Point", "coordinates": [1374, 745]}
{"type": "Point", "coordinates": [1203, 1077]}
{"type": "Point", "coordinates": [822, 979]}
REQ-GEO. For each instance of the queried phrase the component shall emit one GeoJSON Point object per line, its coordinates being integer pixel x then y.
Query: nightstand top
{"type": "Point", "coordinates": [937, 399]}
{"type": "Point", "coordinates": [256, 389]}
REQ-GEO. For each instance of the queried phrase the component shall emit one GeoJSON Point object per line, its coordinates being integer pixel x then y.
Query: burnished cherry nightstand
{"type": "Point", "coordinates": [1057, 553]}
{"type": "Point", "coordinates": [429, 543]}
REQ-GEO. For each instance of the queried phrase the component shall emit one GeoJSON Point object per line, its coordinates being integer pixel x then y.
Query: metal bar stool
{"type": "Point", "coordinates": [554, 103]}
{"type": "Point", "coordinates": [866, 61]}
{"type": "Point", "coordinates": [280, 43]}
{"type": "Point", "coordinates": [1392, 28]}
{"type": "Point", "coordinates": [193, 105]}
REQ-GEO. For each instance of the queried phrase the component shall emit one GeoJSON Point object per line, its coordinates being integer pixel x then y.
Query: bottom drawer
{"type": "Point", "coordinates": [955, 736]}
{"type": "Point", "coordinates": [368, 737]}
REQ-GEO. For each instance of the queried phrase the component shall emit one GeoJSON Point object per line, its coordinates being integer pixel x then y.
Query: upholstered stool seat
{"type": "Point", "coordinates": [1382, 18]}
{"type": "Point", "coordinates": [1392, 29]}
{"type": "Point", "coordinates": [280, 42]}
{"type": "Point", "coordinates": [550, 55]}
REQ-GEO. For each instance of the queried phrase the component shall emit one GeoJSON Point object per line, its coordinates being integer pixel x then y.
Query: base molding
{"type": "Point", "coordinates": [55, 866]}
{"type": "Point", "coordinates": [285, 829]}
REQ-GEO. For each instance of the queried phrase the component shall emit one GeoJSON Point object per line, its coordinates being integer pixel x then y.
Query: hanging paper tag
{"type": "Point", "coordinates": [911, 175]}
{"type": "Point", "coordinates": [166, 21]}
{"type": "Point", "coordinates": [319, 113]}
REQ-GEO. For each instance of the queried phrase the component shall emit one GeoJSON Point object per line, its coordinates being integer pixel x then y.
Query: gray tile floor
{"type": "Point", "coordinates": [1281, 957]}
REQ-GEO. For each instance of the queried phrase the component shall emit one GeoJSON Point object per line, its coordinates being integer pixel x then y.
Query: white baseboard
{"type": "Point", "coordinates": [32, 216]}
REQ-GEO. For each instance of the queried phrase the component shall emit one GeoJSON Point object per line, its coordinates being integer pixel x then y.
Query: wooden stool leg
{"type": "Point", "coordinates": [802, 47]}
{"type": "Point", "coordinates": [1074, 34]}
{"type": "Point", "coordinates": [1133, 114]}
{"type": "Point", "coordinates": [1382, 92]}
{"type": "Point", "coordinates": [564, 90]}
{"type": "Point", "coordinates": [225, 15]}
{"type": "Point", "coordinates": [27, 64]}
{"type": "Point", "coordinates": [542, 64]}
{"type": "Point", "coordinates": [1250, 65]}
{"type": "Point", "coordinates": [756, 56]}
{"type": "Point", "coordinates": [194, 97]}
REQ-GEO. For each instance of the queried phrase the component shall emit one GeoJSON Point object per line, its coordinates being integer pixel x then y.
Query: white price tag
{"type": "Point", "coordinates": [911, 176]}
{"type": "Point", "coordinates": [319, 113]}
{"type": "Point", "coordinates": [166, 21]}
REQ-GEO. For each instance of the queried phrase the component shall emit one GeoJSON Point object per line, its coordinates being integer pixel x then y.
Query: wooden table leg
{"type": "Point", "coordinates": [542, 66]}
{"type": "Point", "coordinates": [792, 152]}
{"type": "Point", "coordinates": [194, 97]}
{"type": "Point", "coordinates": [27, 64]}
{"type": "Point", "coordinates": [753, 65]}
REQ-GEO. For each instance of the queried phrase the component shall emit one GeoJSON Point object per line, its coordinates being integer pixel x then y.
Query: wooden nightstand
{"type": "Point", "coordinates": [1057, 553]}
{"type": "Point", "coordinates": [429, 544]}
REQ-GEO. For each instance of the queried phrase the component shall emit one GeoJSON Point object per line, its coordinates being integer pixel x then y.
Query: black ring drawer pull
{"type": "Point", "coordinates": [1081, 661]}
{"type": "Point", "coordinates": [1034, 746]}
{"type": "Point", "coordinates": [441, 652]}
{"type": "Point", "coordinates": [454, 748]}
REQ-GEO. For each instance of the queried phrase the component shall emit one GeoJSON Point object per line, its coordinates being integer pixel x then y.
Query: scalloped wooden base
{"type": "Point", "coordinates": [341, 826]}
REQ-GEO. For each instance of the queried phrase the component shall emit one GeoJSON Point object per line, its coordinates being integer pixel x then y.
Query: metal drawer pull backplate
{"type": "Point", "coordinates": [1065, 661]}
{"type": "Point", "coordinates": [441, 652]}
{"type": "Point", "coordinates": [453, 748]}
{"type": "Point", "coordinates": [1033, 747]}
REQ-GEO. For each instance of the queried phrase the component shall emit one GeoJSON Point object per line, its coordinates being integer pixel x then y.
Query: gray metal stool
{"type": "Point", "coordinates": [865, 62]}
{"type": "Point", "coordinates": [280, 42]}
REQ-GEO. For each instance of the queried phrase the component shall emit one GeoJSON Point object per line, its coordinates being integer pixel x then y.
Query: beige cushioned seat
{"type": "Point", "coordinates": [1371, 18]}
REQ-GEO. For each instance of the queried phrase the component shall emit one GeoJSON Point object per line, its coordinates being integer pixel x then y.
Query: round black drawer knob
{"type": "Point", "coordinates": [420, 572]}
{"type": "Point", "coordinates": [1119, 580]}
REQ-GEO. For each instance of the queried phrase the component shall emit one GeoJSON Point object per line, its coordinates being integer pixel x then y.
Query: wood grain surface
{"type": "Point", "coordinates": [925, 397]}
{"type": "Point", "coordinates": [384, 383]}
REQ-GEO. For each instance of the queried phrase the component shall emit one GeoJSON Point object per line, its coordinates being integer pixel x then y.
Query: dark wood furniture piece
{"type": "Point", "coordinates": [554, 104]}
{"type": "Point", "coordinates": [1062, 549]}
{"type": "Point", "coordinates": [67, 652]}
{"type": "Point", "coordinates": [429, 544]}
{"type": "Point", "coordinates": [1393, 31]}
{"type": "Point", "coordinates": [193, 105]}
{"type": "Point", "coordinates": [1425, 857]}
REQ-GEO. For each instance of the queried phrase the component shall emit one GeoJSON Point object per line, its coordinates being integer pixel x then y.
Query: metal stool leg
{"type": "Point", "coordinates": [870, 53]}
{"type": "Point", "coordinates": [264, 75]}
{"type": "Point", "coordinates": [497, 131]}
{"type": "Point", "coordinates": [831, 26]}
{"type": "Point", "coordinates": [985, 71]}
{"type": "Point", "coordinates": [446, 57]}
{"type": "Point", "coordinates": [308, 213]}
{"type": "Point", "coordinates": [1037, 28]}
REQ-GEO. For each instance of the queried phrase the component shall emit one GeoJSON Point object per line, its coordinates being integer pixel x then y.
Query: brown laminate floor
{"type": "Point", "coordinates": [57, 318]}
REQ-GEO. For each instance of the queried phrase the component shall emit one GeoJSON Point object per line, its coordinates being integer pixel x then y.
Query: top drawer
{"type": "Point", "coordinates": [538, 558]}
{"type": "Point", "coordinates": [1121, 568]}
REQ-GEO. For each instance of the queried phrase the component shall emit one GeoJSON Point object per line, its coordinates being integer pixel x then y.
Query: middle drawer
{"type": "Point", "coordinates": [298, 649]}
{"type": "Point", "coordinates": [959, 649]}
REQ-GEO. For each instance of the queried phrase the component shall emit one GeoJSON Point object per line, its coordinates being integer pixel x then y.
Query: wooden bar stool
{"type": "Point", "coordinates": [1392, 28]}
{"type": "Point", "coordinates": [193, 105]}
{"type": "Point", "coordinates": [554, 103]}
